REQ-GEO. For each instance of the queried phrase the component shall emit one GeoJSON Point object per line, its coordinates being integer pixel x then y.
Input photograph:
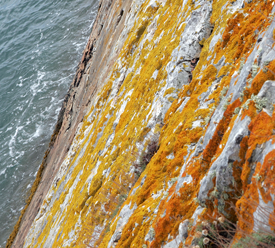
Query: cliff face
{"type": "Point", "coordinates": [169, 121]}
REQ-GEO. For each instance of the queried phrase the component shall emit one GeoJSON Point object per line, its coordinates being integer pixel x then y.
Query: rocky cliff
{"type": "Point", "coordinates": [167, 131]}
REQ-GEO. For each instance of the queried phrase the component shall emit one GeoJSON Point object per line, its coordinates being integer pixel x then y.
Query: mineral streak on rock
{"type": "Point", "coordinates": [169, 121]}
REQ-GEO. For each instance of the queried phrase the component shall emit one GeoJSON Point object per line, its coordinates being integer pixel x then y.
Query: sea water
{"type": "Point", "coordinates": [41, 43]}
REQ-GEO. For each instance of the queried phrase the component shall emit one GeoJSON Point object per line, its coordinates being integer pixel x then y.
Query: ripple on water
{"type": "Point", "coordinates": [40, 45]}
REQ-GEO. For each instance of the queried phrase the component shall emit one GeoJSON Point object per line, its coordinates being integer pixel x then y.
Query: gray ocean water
{"type": "Point", "coordinates": [41, 43]}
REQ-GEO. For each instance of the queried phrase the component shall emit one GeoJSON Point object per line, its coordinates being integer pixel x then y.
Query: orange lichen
{"type": "Point", "coordinates": [262, 182]}
{"type": "Point", "coordinates": [213, 144]}
{"type": "Point", "coordinates": [176, 210]}
{"type": "Point", "coordinates": [262, 77]}
{"type": "Point", "coordinates": [178, 133]}
{"type": "Point", "coordinates": [261, 131]}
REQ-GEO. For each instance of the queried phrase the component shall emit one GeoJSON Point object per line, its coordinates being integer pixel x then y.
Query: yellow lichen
{"type": "Point", "coordinates": [97, 199]}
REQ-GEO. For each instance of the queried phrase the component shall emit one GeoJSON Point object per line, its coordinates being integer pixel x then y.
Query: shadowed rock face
{"type": "Point", "coordinates": [194, 78]}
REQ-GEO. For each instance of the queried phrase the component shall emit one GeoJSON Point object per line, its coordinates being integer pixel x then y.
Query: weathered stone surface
{"type": "Point", "coordinates": [193, 83]}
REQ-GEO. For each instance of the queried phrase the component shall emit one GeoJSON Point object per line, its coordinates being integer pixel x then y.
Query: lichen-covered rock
{"type": "Point", "coordinates": [191, 83]}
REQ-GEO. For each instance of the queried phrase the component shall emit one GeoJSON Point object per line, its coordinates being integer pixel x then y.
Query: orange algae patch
{"type": "Point", "coordinates": [213, 144]}
{"type": "Point", "coordinates": [261, 130]}
{"type": "Point", "coordinates": [245, 207]}
{"type": "Point", "coordinates": [231, 28]}
{"type": "Point", "coordinates": [261, 77]}
{"type": "Point", "coordinates": [264, 183]}
{"type": "Point", "coordinates": [176, 162]}
{"type": "Point", "coordinates": [179, 207]}
{"type": "Point", "coordinates": [267, 182]}
{"type": "Point", "coordinates": [251, 111]}
{"type": "Point", "coordinates": [239, 35]}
